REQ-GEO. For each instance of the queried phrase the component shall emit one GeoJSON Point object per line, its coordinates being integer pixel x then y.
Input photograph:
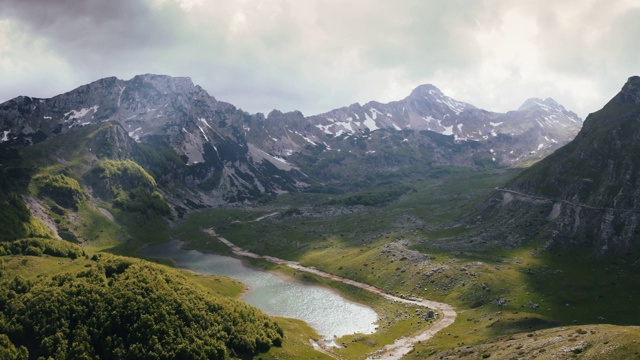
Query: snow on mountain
{"type": "Point", "coordinates": [231, 149]}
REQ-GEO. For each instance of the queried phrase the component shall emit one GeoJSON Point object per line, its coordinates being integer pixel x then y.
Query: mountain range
{"type": "Point", "coordinates": [221, 154]}
{"type": "Point", "coordinates": [424, 197]}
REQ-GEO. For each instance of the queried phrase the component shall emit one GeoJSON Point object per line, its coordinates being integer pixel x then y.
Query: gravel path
{"type": "Point", "coordinates": [401, 346]}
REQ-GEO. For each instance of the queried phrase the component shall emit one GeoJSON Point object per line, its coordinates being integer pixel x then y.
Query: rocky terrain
{"type": "Point", "coordinates": [585, 193]}
{"type": "Point", "coordinates": [220, 154]}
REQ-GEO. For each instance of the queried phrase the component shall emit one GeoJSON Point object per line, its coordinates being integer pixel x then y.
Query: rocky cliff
{"type": "Point", "coordinates": [587, 192]}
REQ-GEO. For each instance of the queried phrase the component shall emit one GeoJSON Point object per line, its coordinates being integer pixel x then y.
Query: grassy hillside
{"type": "Point", "coordinates": [418, 245]}
{"type": "Point", "coordinates": [57, 303]}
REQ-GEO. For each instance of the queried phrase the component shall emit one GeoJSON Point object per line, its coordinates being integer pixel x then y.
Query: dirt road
{"type": "Point", "coordinates": [402, 346]}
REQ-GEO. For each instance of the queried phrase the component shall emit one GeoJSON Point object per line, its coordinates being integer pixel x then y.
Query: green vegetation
{"type": "Point", "coordinates": [128, 185]}
{"type": "Point", "coordinates": [16, 221]}
{"type": "Point", "coordinates": [62, 189]}
{"type": "Point", "coordinates": [38, 247]}
{"type": "Point", "coordinates": [404, 230]}
{"type": "Point", "coordinates": [120, 308]}
{"type": "Point", "coordinates": [416, 246]}
{"type": "Point", "coordinates": [379, 196]}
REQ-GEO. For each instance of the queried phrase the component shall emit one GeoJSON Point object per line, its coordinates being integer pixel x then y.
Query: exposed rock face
{"type": "Point", "coordinates": [588, 191]}
{"type": "Point", "coordinates": [535, 130]}
{"type": "Point", "coordinates": [207, 134]}
{"type": "Point", "coordinates": [231, 156]}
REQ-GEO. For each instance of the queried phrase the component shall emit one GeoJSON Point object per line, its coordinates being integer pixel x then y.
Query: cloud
{"type": "Point", "coordinates": [316, 55]}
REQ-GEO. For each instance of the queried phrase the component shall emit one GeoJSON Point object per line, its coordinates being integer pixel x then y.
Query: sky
{"type": "Point", "coordinates": [317, 55]}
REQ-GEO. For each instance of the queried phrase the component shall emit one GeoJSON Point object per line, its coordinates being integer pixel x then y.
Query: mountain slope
{"type": "Point", "coordinates": [205, 152]}
{"type": "Point", "coordinates": [588, 191]}
{"type": "Point", "coordinates": [473, 135]}
{"type": "Point", "coordinates": [206, 134]}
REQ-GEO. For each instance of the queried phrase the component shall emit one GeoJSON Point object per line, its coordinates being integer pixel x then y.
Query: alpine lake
{"type": "Point", "coordinates": [331, 315]}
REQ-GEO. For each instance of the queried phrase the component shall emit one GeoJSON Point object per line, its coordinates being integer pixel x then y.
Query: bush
{"type": "Point", "coordinates": [38, 247]}
{"type": "Point", "coordinates": [124, 308]}
{"type": "Point", "coordinates": [129, 186]}
{"type": "Point", "coordinates": [62, 189]}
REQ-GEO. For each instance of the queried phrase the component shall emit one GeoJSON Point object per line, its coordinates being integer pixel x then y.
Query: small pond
{"type": "Point", "coordinates": [328, 313]}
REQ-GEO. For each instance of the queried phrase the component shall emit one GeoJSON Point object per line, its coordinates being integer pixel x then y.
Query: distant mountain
{"type": "Point", "coordinates": [533, 131]}
{"type": "Point", "coordinates": [214, 153]}
{"type": "Point", "coordinates": [424, 131]}
{"type": "Point", "coordinates": [587, 192]}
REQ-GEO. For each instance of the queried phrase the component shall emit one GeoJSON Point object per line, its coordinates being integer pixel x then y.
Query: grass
{"type": "Point", "coordinates": [584, 342]}
{"type": "Point", "coordinates": [498, 291]}
{"type": "Point", "coordinates": [296, 343]}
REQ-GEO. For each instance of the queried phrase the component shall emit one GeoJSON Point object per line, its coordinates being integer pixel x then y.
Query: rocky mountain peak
{"type": "Point", "coordinates": [547, 104]}
{"type": "Point", "coordinates": [426, 90]}
{"type": "Point", "coordinates": [630, 92]}
{"type": "Point", "coordinates": [165, 83]}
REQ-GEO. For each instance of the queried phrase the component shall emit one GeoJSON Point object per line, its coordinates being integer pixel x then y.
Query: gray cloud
{"type": "Point", "coordinates": [317, 55]}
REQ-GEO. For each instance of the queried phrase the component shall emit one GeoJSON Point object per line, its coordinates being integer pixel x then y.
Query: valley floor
{"type": "Point", "coordinates": [393, 351]}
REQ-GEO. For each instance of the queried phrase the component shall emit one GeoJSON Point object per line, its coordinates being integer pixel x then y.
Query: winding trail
{"type": "Point", "coordinates": [401, 346]}
{"type": "Point", "coordinates": [541, 198]}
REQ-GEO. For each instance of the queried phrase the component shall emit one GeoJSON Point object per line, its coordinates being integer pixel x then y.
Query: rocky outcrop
{"type": "Point", "coordinates": [160, 112]}
{"type": "Point", "coordinates": [587, 192]}
{"type": "Point", "coordinates": [227, 155]}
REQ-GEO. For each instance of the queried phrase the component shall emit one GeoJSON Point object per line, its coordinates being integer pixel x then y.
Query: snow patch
{"type": "Point", "coordinates": [259, 155]}
{"type": "Point", "coordinates": [280, 159]}
{"type": "Point", "coordinates": [203, 134]}
{"type": "Point", "coordinates": [204, 121]}
{"type": "Point", "coordinates": [76, 114]}
{"type": "Point", "coordinates": [324, 128]}
{"type": "Point", "coordinates": [120, 96]}
{"type": "Point", "coordinates": [540, 146]}
{"type": "Point", "coordinates": [134, 134]}
{"type": "Point", "coordinates": [448, 130]}
{"type": "Point", "coordinates": [370, 122]}
{"type": "Point", "coordinates": [455, 106]}
{"type": "Point", "coordinates": [308, 140]}
{"type": "Point", "coordinates": [48, 118]}
{"type": "Point", "coordinates": [375, 112]}
{"type": "Point", "coordinates": [5, 136]}
{"type": "Point", "coordinates": [495, 124]}
{"type": "Point", "coordinates": [347, 126]}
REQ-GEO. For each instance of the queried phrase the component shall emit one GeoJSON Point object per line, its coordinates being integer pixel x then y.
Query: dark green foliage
{"type": "Point", "coordinates": [8, 351]}
{"type": "Point", "coordinates": [62, 189]}
{"type": "Point", "coordinates": [16, 221]}
{"type": "Point", "coordinates": [127, 309]}
{"type": "Point", "coordinates": [379, 196]}
{"type": "Point", "coordinates": [38, 247]}
{"type": "Point", "coordinates": [485, 163]}
{"type": "Point", "coordinates": [141, 201]}
{"type": "Point", "coordinates": [121, 174]}
{"type": "Point", "coordinates": [292, 211]}
{"type": "Point", "coordinates": [159, 159]}
{"type": "Point", "coordinates": [128, 185]}
{"type": "Point", "coordinates": [14, 176]}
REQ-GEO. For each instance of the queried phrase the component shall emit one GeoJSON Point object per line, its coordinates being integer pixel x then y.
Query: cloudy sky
{"type": "Point", "coordinates": [316, 55]}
